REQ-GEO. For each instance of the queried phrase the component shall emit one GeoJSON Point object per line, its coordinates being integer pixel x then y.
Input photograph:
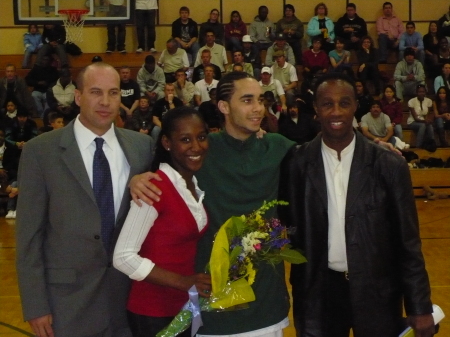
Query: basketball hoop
{"type": "Point", "coordinates": [73, 20]}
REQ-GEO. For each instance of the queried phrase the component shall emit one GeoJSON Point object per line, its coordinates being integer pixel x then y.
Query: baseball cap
{"type": "Point", "coordinates": [278, 53]}
{"type": "Point", "coordinates": [266, 70]}
{"type": "Point", "coordinates": [280, 36]}
{"type": "Point", "coordinates": [246, 38]}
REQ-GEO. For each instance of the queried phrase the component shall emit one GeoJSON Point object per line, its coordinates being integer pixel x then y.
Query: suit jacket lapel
{"type": "Point", "coordinates": [316, 170]}
{"type": "Point", "coordinates": [72, 158]}
{"type": "Point", "coordinates": [133, 160]}
{"type": "Point", "coordinates": [358, 174]}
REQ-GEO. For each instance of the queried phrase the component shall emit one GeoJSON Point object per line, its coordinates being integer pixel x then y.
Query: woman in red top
{"type": "Point", "coordinates": [392, 107]}
{"type": "Point", "coordinates": [234, 31]}
{"type": "Point", "coordinates": [157, 245]}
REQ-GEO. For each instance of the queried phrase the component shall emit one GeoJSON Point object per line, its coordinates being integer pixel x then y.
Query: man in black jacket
{"type": "Point", "coordinates": [185, 31]}
{"type": "Point", "coordinates": [53, 38]}
{"type": "Point", "coordinates": [40, 78]}
{"type": "Point", "coordinates": [354, 210]}
{"type": "Point", "coordinates": [351, 27]}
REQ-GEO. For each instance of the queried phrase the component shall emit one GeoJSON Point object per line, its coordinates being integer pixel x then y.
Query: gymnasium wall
{"type": "Point", "coordinates": [420, 11]}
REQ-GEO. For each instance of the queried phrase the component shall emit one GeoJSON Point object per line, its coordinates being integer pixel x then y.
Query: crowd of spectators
{"type": "Point", "coordinates": [195, 58]}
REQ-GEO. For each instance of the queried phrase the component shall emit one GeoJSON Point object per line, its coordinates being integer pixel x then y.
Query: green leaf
{"type": "Point", "coordinates": [238, 225]}
{"type": "Point", "coordinates": [292, 256]}
{"type": "Point", "coordinates": [235, 253]}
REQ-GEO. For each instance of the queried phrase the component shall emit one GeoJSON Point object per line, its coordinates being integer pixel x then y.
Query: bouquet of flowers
{"type": "Point", "coordinates": [240, 245]}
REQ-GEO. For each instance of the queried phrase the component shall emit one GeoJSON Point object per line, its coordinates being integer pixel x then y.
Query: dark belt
{"type": "Point", "coordinates": [339, 274]}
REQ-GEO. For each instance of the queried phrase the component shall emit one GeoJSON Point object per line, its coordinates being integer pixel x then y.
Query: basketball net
{"type": "Point", "coordinates": [73, 20]}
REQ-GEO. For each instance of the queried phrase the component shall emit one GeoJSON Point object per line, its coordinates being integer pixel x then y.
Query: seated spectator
{"type": "Point", "coordinates": [11, 112]}
{"type": "Point", "coordinates": [61, 97]}
{"type": "Point", "coordinates": [56, 121]}
{"type": "Point", "coordinates": [305, 100]}
{"type": "Point", "coordinates": [340, 59]}
{"type": "Point", "coordinates": [392, 107]}
{"type": "Point", "coordinates": [262, 30]}
{"type": "Point", "coordinates": [271, 104]}
{"type": "Point", "coordinates": [238, 58]}
{"type": "Point", "coordinates": [279, 44]}
{"type": "Point", "coordinates": [251, 55]}
{"type": "Point", "coordinates": [151, 79]}
{"type": "Point", "coordinates": [444, 24]}
{"type": "Point", "coordinates": [292, 28]}
{"type": "Point", "coordinates": [267, 83]}
{"type": "Point", "coordinates": [185, 31]}
{"type": "Point", "coordinates": [441, 107]}
{"type": "Point", "coordinates": [443, 80]}
{"type": "Point", "coordinates": [444, 52]}
{"type": "Point", "coordinates": [199, 71]}
{"type": "Point", "coordinates": [389, 29]}
{"type": "Point", "coordinates": [168, 102]}
{"type": "Point", "coordinates": [269, 123]}
{"type": "Point", "coordinates": [408, 74]}
{"type": "Point", "coordinates": [173, 58]}
{"type": "Point", "coordinates": [14, 88]}
{"type": "Point", "coordinates": [364, 100]}
{"type": "Point", "coordinates": [184, 89]}
{"type": "Point", "coordinates": [315, 60]}
{"type": "Point", "coordinates": [53, 38]}
{"type": "Point", "coordinates": [419, 115]}
{"type": "Point", "coordinates": [287, 75]}
{"type": "Point", "coordinates": [238, 67]}
{"type": "Point", "coordinates": [130, 93]}
{"type": "Point", "coordinates": [297, 125]}
{"type": "Point", "coordinates": [32, 41]}
{"type": "Point", "coordinates": [376, 125]}
{"type": "Point", "coordinates": [414, 40]}
{"type": "Point", "coordinates": [212, 116]}
{"type": "Point", "coordinates": [234, 32]}
{"type": "Point", "coordinates": [213, 25]}
{"type": "Point", "coordinates": [143, 120]}
{"type": "Point", "coordinates": [20, 130]}
{"type": "Point", "coordinates": [218, 52]}
{"type": "Point", "coordinates": [321, 25]}
{"type": "Point", "coordinates": [9, 164]}
{"type": "Point", "coordinates": [40, 78]}
{"type": "Point", "coordinates": [351, 28]}
{"type": "Point", "coordinates": [431, 46]}
{"type": "Point", "coordinates": [368, 63]}
{"type": "Point", "coordinates": [202, 87]}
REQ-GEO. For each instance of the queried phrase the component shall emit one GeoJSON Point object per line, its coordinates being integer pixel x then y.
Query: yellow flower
{"type": "Point", "coordinates": [251, 273]}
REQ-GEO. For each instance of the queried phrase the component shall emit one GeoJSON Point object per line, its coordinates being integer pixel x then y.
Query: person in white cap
{"type": "Point", "coordinates": [251, 55]}
{"type": "Point", "coordinates": [267, 83]}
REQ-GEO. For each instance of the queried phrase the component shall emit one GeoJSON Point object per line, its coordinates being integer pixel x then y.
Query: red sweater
{"type": "Point", "coordinates": [235, 30]}
{"type": "Point", "coordinates": [171, 244]}
{"type": "Point", "coordinates": [393, 110]}
{"type": "Point", "coordinates": [311, 60]}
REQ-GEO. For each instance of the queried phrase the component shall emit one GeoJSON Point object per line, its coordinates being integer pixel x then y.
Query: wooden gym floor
{"type": "Point", "coordinates": [434, 219]}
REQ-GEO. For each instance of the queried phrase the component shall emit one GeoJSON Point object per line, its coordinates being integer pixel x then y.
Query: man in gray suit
{"type": "Point", "coordinates": [67, 283]}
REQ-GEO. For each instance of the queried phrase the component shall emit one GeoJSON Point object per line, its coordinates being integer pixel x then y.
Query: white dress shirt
{"type": "Point", "coordinates": [141, 219]}
{"type": "Point", "coordinates": [337, 173]}
{"type": "Point", "coordinates": [118, 164]}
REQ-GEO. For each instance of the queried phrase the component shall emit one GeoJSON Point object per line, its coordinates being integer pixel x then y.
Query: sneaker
{"type": "Point", "coordinates": [152, 50]}
{"type": "Point", "coordinates": [108, 51]}
{"type": "Point", "coordinates": [123, 51]}
{"type": "Point", "coordinates": [139, 50]}
{"type": "Point", "coordinates": [10, 215]}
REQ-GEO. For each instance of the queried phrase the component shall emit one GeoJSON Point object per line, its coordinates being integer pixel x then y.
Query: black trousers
{"type": "Point", "coordinates": [148, 326]}
{"type": "Point", "coordinates": [145, 19]}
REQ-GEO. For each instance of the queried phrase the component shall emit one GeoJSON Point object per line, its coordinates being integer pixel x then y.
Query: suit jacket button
{"type": "Point", "coordinates": [96, 237]}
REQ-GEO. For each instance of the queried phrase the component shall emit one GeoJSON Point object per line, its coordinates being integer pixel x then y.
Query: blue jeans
{"type": "Point", "coordinates": [419, 129]}
{"type": "Point", "coordinates": [233, 44]}
{"type": "Point", "coordinates": [40, 99]}
{"type": "Point", "coordinates": [11, 206]}
{"type": "Point", "coordinates": [398, 131]}
{"type": "Point", "coordinates": [27, 57]}
{"type": "Point", "coordinates": [193, 51]}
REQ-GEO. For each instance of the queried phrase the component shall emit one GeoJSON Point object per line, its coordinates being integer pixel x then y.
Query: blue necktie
{"type": "Point", "coordinates": [103, 191]}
